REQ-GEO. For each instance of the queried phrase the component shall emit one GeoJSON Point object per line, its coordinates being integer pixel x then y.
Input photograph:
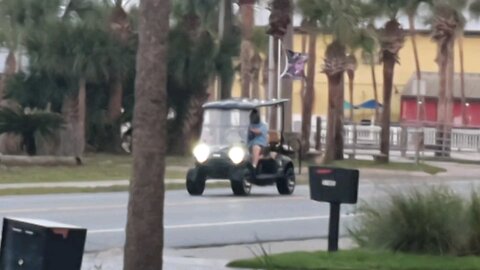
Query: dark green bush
{"type": "Point", "coordinates": [474, 222]}
{"type": "Point", "coordinates": [432, 221]}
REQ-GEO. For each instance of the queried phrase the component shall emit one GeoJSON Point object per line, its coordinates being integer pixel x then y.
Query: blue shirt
{"type": "Point", "coordinates": [260, 139]}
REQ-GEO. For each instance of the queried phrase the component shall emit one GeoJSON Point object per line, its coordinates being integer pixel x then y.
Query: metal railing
{"type": "Point", "coordinates": [409, 137]}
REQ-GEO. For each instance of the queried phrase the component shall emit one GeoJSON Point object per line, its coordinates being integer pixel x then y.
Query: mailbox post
{"type": "Point", "coordinates": [335, 186]}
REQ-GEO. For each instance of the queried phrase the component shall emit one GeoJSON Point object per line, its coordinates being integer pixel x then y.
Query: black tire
{"type": "Point", "coordinates": [286, 184]}
{"type": "Point", "coordinates": [241, 186]}
{"type": "Point", "coordinates": [195, 183]}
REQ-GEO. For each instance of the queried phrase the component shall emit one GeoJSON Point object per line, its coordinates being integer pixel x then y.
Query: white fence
{"type": "Point", "coordinates": [464, 140]}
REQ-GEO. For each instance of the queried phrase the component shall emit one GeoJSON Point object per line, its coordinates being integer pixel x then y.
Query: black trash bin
{"type": "Point", "coordinates": [30, 244]}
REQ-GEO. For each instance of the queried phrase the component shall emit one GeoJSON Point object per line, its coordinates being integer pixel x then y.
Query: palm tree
{"type": "Point", "coordinates": [192, 60]}
{"type": "Point", "coordinates": [27, 124]}
{"type": "Point", "coordinates": [308, 97]}
{"type": "Point", "coordinates": [343, 22]}
{"type": "Point", "coordinates": [392, 39]}
{"type": "Point", "coordinates": [314, 15]}
{"type": "Point", "coordinates": [79, 51]}
{"type": "Point", "coordinates": [367, 42]}
{"type": "Point", "coordinates": [248, 21]}
{"type": "Point", "coordinates": [411, 9]}
{"type": "Point", "coordinates": [12, 25]}
{"type": "Point", "coordinates": [446, 22]}
{"type": "Point", "coordinates": [352, 65]}
{"type": "Point", "coordinates": [229, 47]}
{"type": "Point", "coordinates": [260, 45]}
{"type": "Point", "coordinates": [120, 29]}
{"type": "Point", "coordinates": [281, 29]}
{"type": "Point", "coordinates": [144, 239]}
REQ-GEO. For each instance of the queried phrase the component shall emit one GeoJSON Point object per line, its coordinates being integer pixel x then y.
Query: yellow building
{"type": "Point", "coordinates": [363, 79]}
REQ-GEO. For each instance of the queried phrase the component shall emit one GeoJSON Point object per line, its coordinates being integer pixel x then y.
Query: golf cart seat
{"type": "Point", "coordinates": [273, 137]}
{"type": "Point", "coordinates": [270, 151]}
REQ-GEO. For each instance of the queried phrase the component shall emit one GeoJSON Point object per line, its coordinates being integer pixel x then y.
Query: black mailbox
{"type": "Point", "coordinates": [333, 185]}
{"type": "Point", "coordinates": [29, 244]}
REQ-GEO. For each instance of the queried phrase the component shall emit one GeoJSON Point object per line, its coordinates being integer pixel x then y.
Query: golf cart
{"type": "Point", "coordinates": [222, 152]}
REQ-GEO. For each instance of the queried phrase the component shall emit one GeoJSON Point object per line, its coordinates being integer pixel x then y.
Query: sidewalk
{"type": "Point", "coordinates": [209, 258]}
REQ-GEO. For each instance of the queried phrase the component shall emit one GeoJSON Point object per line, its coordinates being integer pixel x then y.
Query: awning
{"type": "Point", "coordinates": [370, 104]}
{"type": "Point", "coordinates": [347, 106]}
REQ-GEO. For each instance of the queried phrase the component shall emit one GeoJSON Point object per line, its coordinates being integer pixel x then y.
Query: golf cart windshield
{"type": "Point", "coordinates": [225, 127]}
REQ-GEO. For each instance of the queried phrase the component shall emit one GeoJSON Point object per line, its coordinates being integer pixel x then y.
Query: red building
{"type": "Point", "coordinates": [429, 93]}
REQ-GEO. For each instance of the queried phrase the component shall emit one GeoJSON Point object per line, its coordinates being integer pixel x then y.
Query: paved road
{"type": "Point", "coordinates": [217, 218]}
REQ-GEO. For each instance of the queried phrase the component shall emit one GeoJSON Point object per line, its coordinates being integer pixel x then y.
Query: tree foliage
{"type": "Point", "coordinates": [29, 123]}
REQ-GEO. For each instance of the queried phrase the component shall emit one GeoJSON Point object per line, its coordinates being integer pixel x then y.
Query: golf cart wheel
{"type": "Point", "coordinates": [195, 183]}
{"type": "Point", "coordinates": [286, 184]}
{"type": "Point", "coordinates": [241, 188]}
{"type": "Point", "coordinates": [239, 182]}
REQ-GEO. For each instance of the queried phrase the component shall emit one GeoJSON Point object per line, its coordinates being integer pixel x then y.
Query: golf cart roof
{"type": "Point", "coordinates": [243, 104]}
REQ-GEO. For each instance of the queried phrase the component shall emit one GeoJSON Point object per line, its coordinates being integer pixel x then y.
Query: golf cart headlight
{"type": "Point", "coordinates": [201, 152]}
{"type": "Point", "coordinates": [236, 154]}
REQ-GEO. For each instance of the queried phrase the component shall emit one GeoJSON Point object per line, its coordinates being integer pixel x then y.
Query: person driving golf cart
{"type": "Point", "coordinates": [257, 137]}
{"type": "Point", "coordinates": [237, 146]}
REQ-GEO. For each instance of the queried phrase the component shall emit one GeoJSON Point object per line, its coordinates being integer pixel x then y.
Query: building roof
{"type": "Point", "coordinates": [242, 104]}
{"type": "Point", "coordinates": [432, 84]}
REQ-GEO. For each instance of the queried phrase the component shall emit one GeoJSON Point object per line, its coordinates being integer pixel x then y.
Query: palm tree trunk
{"type": "Point", "coordinates": [334, 86]}
{"type": "Point", "coordinates": [351, 79]}
{"type": "Point", "coordinates": [388, 72]}
{"type": "Point", "coordinates": [339, 118]}
{"type": "Point", "coordinates": [191, 124]}
{"type": "Point", "coordinates": [144, 231]}
{"type": "Point", "coordinates": [449, 101]}
{"type": "Point", "coordinates": [114, 112]}
{"type": "Point", "coordinates": [413, 34]}
{"type": "Point", "coordinates": [246, 50]}
{"type": "Point", "coordinates": [28, 141]}
{"type": "Point", "coordinates": [374, 82]}
{"type": "Point", "coordinates": [308, 96]}
{"type": "Point", "coordinates": [445, 62]}
{"type": "Point", "coordinates": [273, 82]}
{"type": "Point", "coordinates": [442, 98]}
{"type": "Point", "coordinates": [72, 137]}
{"type": "Point", "coordinates": [256, 85]}
{"type": "Point", "coordinates": [256, 64]}
{"type": "Point", "coordinates": [462, 81]}
{"type": "Point", "coordinates": [226, 76]}
{"type": "Point", "coordinates": [10, 64]}
{"type": "Point", "coordinates": [265, 77]}
{"type": "Point", "coordinates": [80, 124]}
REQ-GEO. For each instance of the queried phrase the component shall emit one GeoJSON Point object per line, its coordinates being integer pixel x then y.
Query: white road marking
{"type": "Point", "coordinates": [60, 209]}
{"type": "Point", "coordinates": [124, 206]}
{"type": "Point", "coordinates": [228, 223]}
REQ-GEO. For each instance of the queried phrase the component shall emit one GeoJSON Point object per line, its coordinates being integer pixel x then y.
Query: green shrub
{"type": "Point", "coordinates": [473, 211]}
{"type": "Point", "coordinates": [429, 221]}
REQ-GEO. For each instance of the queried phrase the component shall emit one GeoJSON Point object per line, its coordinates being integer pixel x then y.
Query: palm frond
{"type": "Point", "coordinates": [21, 123]}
